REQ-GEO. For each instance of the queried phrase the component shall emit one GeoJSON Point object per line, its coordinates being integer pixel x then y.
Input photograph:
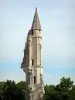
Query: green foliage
{"type": "Point", "coordinates": [12, 91]}
{"type": "Point", "coordinates": [66, 84]}
{"type": "Point", "coordinates": [1, 89]}
{"type": "Point", "coordinates": [65, 90]}
{"type": "Point", "coordinates": [21, 85]}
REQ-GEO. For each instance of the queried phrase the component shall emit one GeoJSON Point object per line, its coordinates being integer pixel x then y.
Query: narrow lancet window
{"type": "Point", "coordinates": [32, 62]}
{"type": "Point", "coordinates": [34, 79]}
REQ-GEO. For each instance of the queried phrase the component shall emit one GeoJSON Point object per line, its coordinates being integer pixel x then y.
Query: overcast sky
{"type": "Point", "coordinates": [57, 19]}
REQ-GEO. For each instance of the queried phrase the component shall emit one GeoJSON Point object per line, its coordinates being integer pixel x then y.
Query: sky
{"type": "Point", "coordinates": [57, 19]}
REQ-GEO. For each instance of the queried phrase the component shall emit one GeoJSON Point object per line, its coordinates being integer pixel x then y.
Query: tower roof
{"type": "Point", "coordinates": [36, 22]}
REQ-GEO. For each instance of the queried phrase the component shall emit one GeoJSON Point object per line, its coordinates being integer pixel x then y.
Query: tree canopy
{"type": "Point", "coordinates": [65, 90]}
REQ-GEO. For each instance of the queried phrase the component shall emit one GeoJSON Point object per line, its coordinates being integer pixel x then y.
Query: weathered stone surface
{"type": "Point", "coordinates": [32, 62]}
{"type": "Point", "coordinates": [36, 23]}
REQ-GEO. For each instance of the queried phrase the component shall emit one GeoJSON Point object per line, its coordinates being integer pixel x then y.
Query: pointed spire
{"type": "Point", "coordinates": [36, 9]}
{"type": "Point", "coordinates": [36, 22]}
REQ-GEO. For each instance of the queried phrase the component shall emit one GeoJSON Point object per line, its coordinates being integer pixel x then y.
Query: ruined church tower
{"type": "Point", "coordinates": [32, 64]}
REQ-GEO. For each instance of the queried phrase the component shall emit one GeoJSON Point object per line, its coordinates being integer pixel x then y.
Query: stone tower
{"type": "Point", "coordinates": [31, 64]}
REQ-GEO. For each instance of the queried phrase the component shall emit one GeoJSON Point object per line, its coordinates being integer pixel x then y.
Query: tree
{"type": "Point", "coordinates": [72, 93]}
{"type": "Point", "coordinates": [1, 90]}
{"type": "Point", "coordinates": [66, 84]}
{"type": "Point", "coordinates": [21, 87]}
{"type": "Point", "coordinates": [13, 91]}
{"type": "Point", "coordinates": [64, 88]}
{"type": "Point", "coordinates": [9, 90]}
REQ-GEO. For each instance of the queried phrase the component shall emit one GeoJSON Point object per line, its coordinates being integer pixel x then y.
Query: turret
{"type": "Point", "coordinates": [36, 26]}
{"type": "Point", "coordinates": [36, 22]}
{"type": "Point", "coordinates": [32, 61]}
